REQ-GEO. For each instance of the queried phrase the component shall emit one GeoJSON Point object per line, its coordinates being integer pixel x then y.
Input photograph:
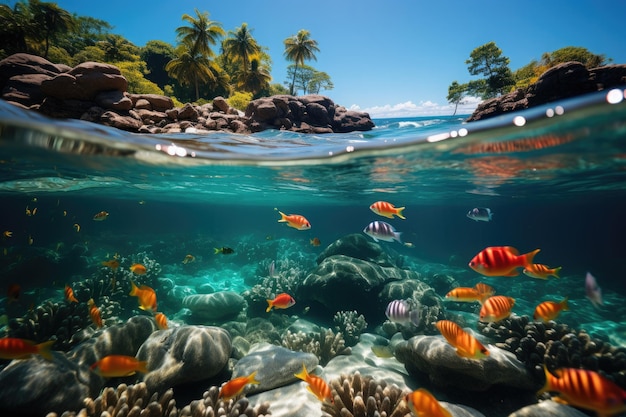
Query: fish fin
{"type": "Point", "coordinates": [513, 273]}
{"type": "Point", "coordinates": [530, 255]}
{"type": "Point", "coordinates": [547, 386]}
{"type": "Point", "coordinates": [252, 378]}
{"type": "Point", "coordinates": [564, 304]}
{"type": "Point", "coordinates": [396, 236]}
{"type": "Point", "coordinates": [269, 306]}
{"type": "Point", "coordinates": [512, 250]}
{"type": "Point", "coordinates": [302, 375]}
{"type": "Point", "coordinates": [399, 213]}
{"type": "Point", "coordinates": [556, 272]}
{"type": "Point", "coordinates": [45, 349]}
{"type": "Point", "coordinates": [133, 288]}
{"type": "Point", "coordinates": [142, 367]}
{"type": "Point", "coordinates": [282, 216]}
{"type": "Point", "coordinates": [217, 250]}
{"type": "Point", "coordinates": [414, 315]}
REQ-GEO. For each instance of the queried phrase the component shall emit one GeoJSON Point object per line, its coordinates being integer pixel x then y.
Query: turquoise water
{"type": "Point", "coordinates": [555, 178]}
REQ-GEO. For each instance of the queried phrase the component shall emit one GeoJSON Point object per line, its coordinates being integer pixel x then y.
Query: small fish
{"type": "Point", "coordinates": [399, 311]}
{"type": "Point", "coordinates": [69, 294]}
{"type": "Point", "coordinates": [385, 209]}
{"type": "Point", "coordinates": [271, 269]}
{"type": "Point", "coordinates": [484, 290]}
{"type": "Point", "coordinates": [7, 234]}
{"type": "Point", "coordinates": [224, 250]}
{"type": "Point", "coordinates": [235, 386]}
{"type": "Point", "coordinates": [13, 293]}
{"type": "Point", "coordinates": [496, 308]}
{"type": "Point", "coordinates": [141, 202]}
{"type": "Point", "coordinates": [138, 269]}
{"type": "Point", "coordinates": [466, 345]}
{"type": "Point", "coordinates": [64, 213]}
{"type": "Point", "coordinates": [501, 261]}
{"type": "Point", "coordinates": [103, 215]}
{"type": "Point", "coordinates": [15, 348]}
{"type": "Point", "coordinates": [317, 386]}
{"type": "Point", "coordinates": [480, 214]}
{"type": "Point", "coordinates": [315, 241]}
{"type": "Point", "coordinates": [161, 321]}
{"type": "Point", "coordinates": [28, 212]}
{"type": "Point", "coordinates": [281, 301]}
{"type": "Point", "coordinates": [118, 366]}
{"type": "Point", "coordinates": [112, 263]}
{"type": "Point", "coordinates": [94, 313]}
{"type": "Point", "coordinates": [409, 245]}
{"type": "Point", "coordinates": [541, 271]}
{"type": "Point", "coordinates": [146, 296]}
{"type": "Point", "coordinates": [189, 259]}
{"type": "Point", "coordinates": [294, 220]}
{"type": "Point", "coordinates": [382, 351]}
{"type": "Point", "coordinates": [549, 310]}
{"type": "Point", "coordinates": [586, 389]}
{"type": "Point", "coordinates": [77, 227]}
{"type": "Point", "coordinates": [378, 230]}
{"type": "Point", "coordinates": [423, 404]}
{"type": "Point", "coordinates": [464, 295]}
{"type": "Point", "coordinates": [593, 291]}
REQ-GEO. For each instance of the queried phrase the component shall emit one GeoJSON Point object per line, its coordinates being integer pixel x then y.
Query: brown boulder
{"type": "Point", "coordinates": [157, 101]}
{"type": "Point", "coordinates": [124, 122]}
{"type": "Point", "coordinates": [219, 103]}
{"type": "Point", "coordinates": [85, 81]}
{"type": "Point", "coordinates": [25, 89]}
{"type": "Point", "coordinates": [114, 100]}
{"type": "Point", "coordinates": [20, 64]}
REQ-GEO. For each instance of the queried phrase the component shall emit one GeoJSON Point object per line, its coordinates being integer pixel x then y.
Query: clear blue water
{"type": "Point", "coordinates": [554, 176]}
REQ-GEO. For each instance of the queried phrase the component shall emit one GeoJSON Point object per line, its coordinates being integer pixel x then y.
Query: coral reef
{"type": "Point", "coordinates": [211, 406]}
{"type": "Point", "coordinates": [324, 344]}
{"type": "Point", "coordinates": [357, 396]}
{"type": "Point", "coordinates": [351, 325]}
{"type": "Point", "coordinates": [254, 330]}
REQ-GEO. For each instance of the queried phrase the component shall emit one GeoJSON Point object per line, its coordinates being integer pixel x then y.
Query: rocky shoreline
{"type": "Point", "coordinates": [97, 92]}
{"type": "Point", "coordinates": [562, 81]}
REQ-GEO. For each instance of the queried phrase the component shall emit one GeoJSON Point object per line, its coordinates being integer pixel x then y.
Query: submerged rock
{"type": "Point", "coordinates": [356, 245]}
{"type": "Point", "coordinates": [184, 354]}
{"type": "Point", "coordinates": [219, 305]}
{"type": "Point", "coordinates": [548, 409]}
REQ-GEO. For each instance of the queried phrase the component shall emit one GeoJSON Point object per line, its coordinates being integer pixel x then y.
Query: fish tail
{"type": "Point", "coordinates": [133, 288]}
{"type": "Point", "coordinates": [399, 213]}
{"type": "Point", "coordinates": [547, 386]}
{"type": "Point", "coordinates": [556, 272]}
{"type": "Point", "coordinates": [217, 250]}
{"type": "Point", "coordinates": [564, 304]}
{"type": "Point", "coordinates": [530, 256]}
{"type": "Point", "coordinates": [282, 216]}
{"type": "Point", "coordinates": [45, 349]}
{"type": "Point", "coordinates": [397, 236]}
{"type": "Point", "coordinates": [302, 375]}
{"type": "Point", "coordinates": [270, 304]}
{"type": "Point", "coordinates": [142, 367]}
{"type": "Point", "coordinates": [414, 315]}
{"type": "Point", "coordinates": [252, 378]}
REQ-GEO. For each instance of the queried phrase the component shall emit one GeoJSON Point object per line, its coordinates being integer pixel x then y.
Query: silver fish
{"type": "Point", "coordinates": [379, 230]}
{"type": "Point", "coordinates": [399, 311]}
{"type": "Point", "coordinates": [482, 214]}
{"type": "Point", "coordinates": [271, 269]}
{"type": "Point", "coordinates": [593, 291]}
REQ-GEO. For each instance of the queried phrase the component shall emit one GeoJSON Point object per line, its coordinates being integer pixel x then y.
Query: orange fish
{"type": "Point", "coordinates": [423, 404]}
{"type": "Point", "coordinates": [294, 220]}
{"type": "Point", "coordinates": [315, 241]}
{"type": "Point", "coordinates": [113, 264]}
{"type": "Point", "coordinates": [586, 389]}
{"type": "Point", "coordinates": [103, 215]}
{"type": "Point", "coordinates": [13, 292]}
{"type": "Point", "coordinates": [549, 310]}
{"type": "Point", "coordinates": [145, 295]}
{"type": "Point", "coordinates": [235, 386]}
{"type": "Point", "coordinates": [317, 386]}
{"type": "Point", "coordinates": [118, 365]}
{"type": "Point", "coordinates": [94, 313]}
{"type": "Point", "coordinates": [501, 261]}
{"type": "Point", "coordinates": [496, 308]}
{"type": "Point", "coordinates": [541, 271]}
{"type": "Point", "coordinates": [464, 294]}
{"type": "Point", "coordinates": [466, 345]}
{"type": "Point", "coordinates": [69, 294]}
{"type": "Point", "coordinates": [484, 290]}
{"type": "Point", "coordinates": [161, 321]}
{"type": "Point", "coordinates": [189, 259]}
{"type": "Point", "coordinates": [283, 301]}
{"type": "Point", "coordinates": [14, 348]}
{"type": "Point", "coordinates": [385, 209]}
{"type": "Point", "coordinates": [138, 269]}
{"type": "Point", "coordinates": [7, 233]}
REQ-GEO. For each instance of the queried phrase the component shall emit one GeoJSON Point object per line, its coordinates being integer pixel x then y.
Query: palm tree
{"type": "Point", "coordinates": [16, 28]}
{"type": "Point", "coordinates": [189, 67]}
{"type": "Point", "coordinates": [51, 20]}
{"type": "Point", "coordinates": [256, 79]}
{"type": "Point", "coordinates": [117, 48]}
{"type": "Point", "coordinates": [240, 45]}
{"type": "Point", "coordinates": [300, 48]}
{"type": "Point", "coordinates": [202, 33]}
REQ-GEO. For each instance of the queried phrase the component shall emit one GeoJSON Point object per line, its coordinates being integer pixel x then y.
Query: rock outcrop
{"type": "Point", "coordinates": [97, 92]}
{"type": "Point", "coordinates": [562, 81]}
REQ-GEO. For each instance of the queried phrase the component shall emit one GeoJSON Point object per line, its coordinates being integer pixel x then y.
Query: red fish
{"type": "Point", "coordinates": [161, 321]}
{"type": "Point", "coordinates": [549, 310]}
{"type": "Point", "coordinates": [295, 220]}
{"type": "Point", "coordinates": [138, 269]}
{"type": "Point", "coordinates": [235, 386]}
{"type": "Point", "coordinates": [423, 404]}
{"type": "Point", "coordinates": [69, 294]}
{"type": "Point", "coordinates": [586, 389]}
{"type": "Point", "coordinates": [94, 313]}
{"type": "Point", "coordinates": [315, 241]}
{"type": "Point", "coordinates": [282, 301]}
{"type": "Point", "coordinates": [540, 271]}
{"type": "Point", "coordinates": [15, 348]}
{"type": "Point", "coordinates": [385, 209]}
{"type": "Point", "coordinates": [466, 345]}
{"type": "Point", "coordinates": [103, 215]}
{"type": "Point", "coordinates": [145, 295]}
{"type": "Point", "coordinates": [317, 386]}
{"type": "Point", "coordinates": [496, 308]}
{"type": "Point", "coordinates": [118, 365]}
{"type": "Point", "coordinates": [501, 261]}
{"type": "Point", "coordinates": [113, 264]}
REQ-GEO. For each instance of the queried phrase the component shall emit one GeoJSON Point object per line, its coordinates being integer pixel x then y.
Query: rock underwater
{"type": "Point", "coordinates": [97, 92]}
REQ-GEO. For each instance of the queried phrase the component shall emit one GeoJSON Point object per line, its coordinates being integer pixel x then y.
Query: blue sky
{"type": "Point", "coordinates": [391, 58]}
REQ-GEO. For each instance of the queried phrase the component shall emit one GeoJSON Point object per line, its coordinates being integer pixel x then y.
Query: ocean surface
{"type": "Point", "coordinates": [553, 176]}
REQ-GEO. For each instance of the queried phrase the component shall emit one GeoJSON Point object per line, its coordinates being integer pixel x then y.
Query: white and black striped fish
{"type": "Point", "coordinates": [399, 311]}
{"type": "Point", "coordinates": [382, 231]}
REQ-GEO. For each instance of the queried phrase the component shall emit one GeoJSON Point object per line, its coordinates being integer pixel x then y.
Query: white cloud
{"type": "Point", "coordinates": [423, 108]}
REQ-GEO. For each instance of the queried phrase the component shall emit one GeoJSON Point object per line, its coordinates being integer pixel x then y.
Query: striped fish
{"type": "Point", "coordinates": [382, 231]}
{"type": "Point", "coordinates": [399, 311]}
{"type": "Point", "coordinates": [501, 261]}
{"type": "Point", "coordinates": [317, 386]}
{"type": "Point", "coordinates": [385, 209]}
{"type": "Point", "coordinates": [423, 403]}
{"type": "Point", "coordinates": [496, 308]}
{"type": "Point", "coordinates": [549, 310]}
{"type": "Point", "coordinates": [466, 345]}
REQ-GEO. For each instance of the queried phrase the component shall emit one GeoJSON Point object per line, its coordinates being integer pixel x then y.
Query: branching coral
{"type": "Point", "coordinates": [325, 344]}
{"type": "Point", "coordinates": [211, 406]}
{"type": "Point", "coordinates": [357, 396]}
{"type": "Point", "coordinates": [351, 325]}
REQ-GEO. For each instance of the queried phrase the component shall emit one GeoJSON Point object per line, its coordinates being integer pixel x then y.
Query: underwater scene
{"type": "Point", "coordinates": [292, 274]}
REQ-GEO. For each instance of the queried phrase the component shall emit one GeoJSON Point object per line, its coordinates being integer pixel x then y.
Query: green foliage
{"type": "Point", "coordinates": [201, 33]}
{"type": "Point", "coordinates": [134, 72]}
{"type": "Point", "coordinates": [156, 55]}
{"type": "Point", "coordinates": [240, 45]}
{"type": "Point", "coordinates": [51, 22]}
{"type": "Point", "coordinates": [87, 32]}
{"type": "Point", "coordinates": [308, 79]}
{"type": "Point", "coordinates": [299, 48]}
{"type": "Point", "coordinates": [89, 53]}
{"type": "Point", "coordinates": [117, 48]}
{"type": "Point", "coordinates": [487, 60]}
{"type": "Point", "coordinates": [573, 53]}
{"type": "Point", "coordinates": [59, 55]}
{"type": "Point", "coordinates": [277, 89]}
{"type": "Point", "coordinates": [456, 93]}
{"type": "Point", "coordinates": [240, 100]}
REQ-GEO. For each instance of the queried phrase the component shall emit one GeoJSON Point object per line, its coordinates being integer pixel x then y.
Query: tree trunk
{"type": "Point", "coordinates": [456, 105]}
{"type": "Point", "coordinates": [195, 79]}
{"type": "Point", "coordinates": [293, 82]}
